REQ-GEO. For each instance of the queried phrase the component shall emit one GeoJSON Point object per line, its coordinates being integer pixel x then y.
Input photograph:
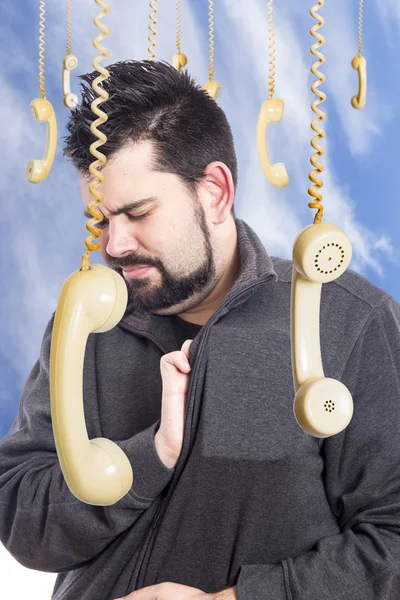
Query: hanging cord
{"type": "Point", "coordinates": [313, 190]}
{"type": "Point", "coordinates": [178, 27]}
{"type": "Point", "coordinates": [102, 118]}
{"type": "Point", "coordinates": [360, 27]}
{"type": "Point", "coordinates": [151, 27]}
{"type": "Point", "coordinates": [69, 27]}
{"type": "Point", "coordinates": [211, 38]}
{"type": "Point", "coordinates": [41, 49]}
{"type": "Point", "coordinates": [179, 59]}
{"type": "Point", "coordinates": [271, 45]}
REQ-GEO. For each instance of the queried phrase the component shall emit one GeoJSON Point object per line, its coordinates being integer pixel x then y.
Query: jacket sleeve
{"type": "Point", "coordinates": [42, 524]}
{"type": "Point", "coordinates": [362, 482]}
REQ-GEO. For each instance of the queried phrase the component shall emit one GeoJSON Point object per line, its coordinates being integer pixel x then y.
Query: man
{"type": "Point", "coordinates": [254, 508]}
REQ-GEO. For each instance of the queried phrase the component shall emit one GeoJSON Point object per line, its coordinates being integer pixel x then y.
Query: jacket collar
{"type": "Point", "coordinates": [255, 265]}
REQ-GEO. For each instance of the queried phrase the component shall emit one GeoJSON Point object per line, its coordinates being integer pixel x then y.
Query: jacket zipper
{"type": "Point", "coordinates": [163, 503]}
{"type": "Point", "coordinates": [156, 517]}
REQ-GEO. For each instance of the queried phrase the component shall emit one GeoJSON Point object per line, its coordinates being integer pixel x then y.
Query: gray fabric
{"type": "Point", "coordinates": [253, 499]}
{"type": "Point", "coordinates": [184, 330]}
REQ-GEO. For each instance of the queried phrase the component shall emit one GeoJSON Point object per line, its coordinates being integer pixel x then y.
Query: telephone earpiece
{"type": "Point", "coordinates": [213, 88]}
{"type": "Point", "coordinates": [360, 64]}
{"type": "Point", "coordinates": [271, 112]}
{"type": "Point", "coordinates": [70, 62]}
{"type": "Point", "coordinates": [43, 111]}
{"type": "Point", "coordinates": [96, 471]}
{"type": "Point", "coordinates": [179, 61]}
{"type": "Point", "coordinates": [323, 406]}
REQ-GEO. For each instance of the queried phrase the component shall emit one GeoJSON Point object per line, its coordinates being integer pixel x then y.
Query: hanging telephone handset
{"type": "Point", "coordinates": [179, 60]}
{"type": "Point", "coordinates": [70, 62]}
{"type": "Point", "coordinates": [96, 471]}
{"type": "Point", "coordinates": [92, 300]}
{"type": "Point", "coordinates": [321, 253]}
{"type": "Point", "coordinates": [323, 406]}
{"type": "Point", "coordinates": [360, 64]}
{"type": "Point", "coordinates": [213, 89]}
{"type": "Point", "coordinates": [271, 112]}
{"type": "Point", "coordinates": [43, 111]}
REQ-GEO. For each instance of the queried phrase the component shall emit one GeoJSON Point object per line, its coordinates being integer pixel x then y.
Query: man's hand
{"type": "Point", "coordinates": [168, 591]}
{"type": "Point", "coordinates": [176, 591]}
{"type": "Point", "coordinates": [175, 377]}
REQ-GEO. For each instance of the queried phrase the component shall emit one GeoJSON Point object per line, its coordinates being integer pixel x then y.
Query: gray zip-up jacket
{"type": "Point", "coordinates": [253, 501]}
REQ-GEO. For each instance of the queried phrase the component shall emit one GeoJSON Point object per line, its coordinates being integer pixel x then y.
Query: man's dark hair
{"type": "Point", "coordinates": [151, 100]}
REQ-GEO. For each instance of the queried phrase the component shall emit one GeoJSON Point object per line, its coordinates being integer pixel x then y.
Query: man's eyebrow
{"type": "Point", "coordinates": [126, 208]}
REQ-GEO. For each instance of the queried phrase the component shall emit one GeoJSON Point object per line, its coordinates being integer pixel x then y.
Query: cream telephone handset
{"type": "Point", "coordinates": [322, 406]}
{"type": "Point", "coordinates": [271, 112]}
{"type": "Point", "coordinates": [37, 170]}
{"type": "Point", "coordinates": [96, 471]}
{"type": "Point", "coordinates": [360, 64]}
{"type": "Point", "coordinates": [179, 60]}
{"type": "Point", "coordinates": [213, 89]}
{"type": "Point", "coordinates": [70, 62]}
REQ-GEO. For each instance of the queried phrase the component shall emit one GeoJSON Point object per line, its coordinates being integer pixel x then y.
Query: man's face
{"type": "Point", "coordinates": [172, 238]}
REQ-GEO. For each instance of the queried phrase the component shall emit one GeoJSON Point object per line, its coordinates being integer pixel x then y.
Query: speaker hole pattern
{"type": "Point", "coordinates": [335, 268]}
{"type": "Point", "coordinates": [329, 406]}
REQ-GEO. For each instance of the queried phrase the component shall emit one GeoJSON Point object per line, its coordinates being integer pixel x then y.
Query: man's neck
{"type": "Point", "coordinates": [200, 314]}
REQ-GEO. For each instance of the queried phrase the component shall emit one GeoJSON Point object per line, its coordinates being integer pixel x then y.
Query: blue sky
{"type": "Point", "coordinates": [42, 227]}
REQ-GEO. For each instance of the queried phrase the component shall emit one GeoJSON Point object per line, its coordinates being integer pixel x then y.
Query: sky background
{"type": "Point", "coordinates": [42, 228]}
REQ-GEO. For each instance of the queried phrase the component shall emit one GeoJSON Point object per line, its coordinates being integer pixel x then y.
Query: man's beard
{"type": "Point", "coordinates": [143, 295]}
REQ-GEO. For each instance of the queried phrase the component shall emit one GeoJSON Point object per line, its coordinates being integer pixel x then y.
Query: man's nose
{"type": "Point", "coordinates": [121, 239]}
